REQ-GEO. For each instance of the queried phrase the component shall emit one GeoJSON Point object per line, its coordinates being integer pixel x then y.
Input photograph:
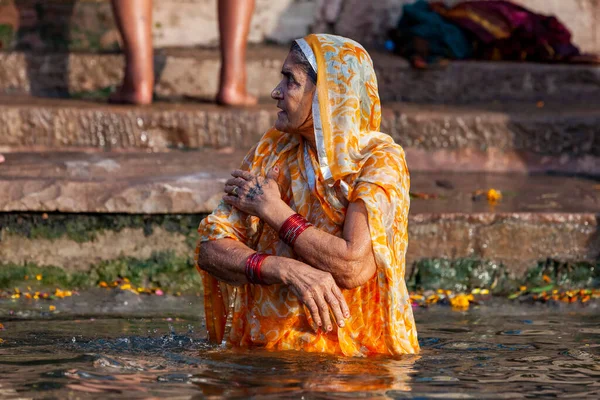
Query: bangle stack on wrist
{"type": "Point", "coordinates": [253, 266]}
{"type": "Point", "coordinates": [292, 228]}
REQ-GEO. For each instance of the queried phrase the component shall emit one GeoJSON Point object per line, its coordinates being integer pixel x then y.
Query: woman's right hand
{"type": "Point", "coordinates": [318, 291]}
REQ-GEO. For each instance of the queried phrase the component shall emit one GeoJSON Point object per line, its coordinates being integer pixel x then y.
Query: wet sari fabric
{"type": "Point", "coordinates": [352, 161]}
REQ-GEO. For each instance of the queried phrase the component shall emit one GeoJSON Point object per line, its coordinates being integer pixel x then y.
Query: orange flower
{"type": "Point", "coordinates": [494, 196]}
{"type": "Point", "coordinates": [460, 302]}
{"type": "Point", "coordinates": [52, 308]}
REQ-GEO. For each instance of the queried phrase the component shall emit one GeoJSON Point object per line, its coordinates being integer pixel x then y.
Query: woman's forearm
{"type": "Point", "coordinates": [225, 259]}
{"type": "Point", "coordinates": [349, 259]}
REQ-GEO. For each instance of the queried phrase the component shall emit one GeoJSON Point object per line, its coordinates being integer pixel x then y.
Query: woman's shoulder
{"type": "Point", "coordinates": [385, 156]}
{"type": "Point", "coordinates": [269, 149]}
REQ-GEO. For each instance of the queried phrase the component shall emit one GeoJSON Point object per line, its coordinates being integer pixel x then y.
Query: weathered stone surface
{"type": "Point", "coordinates": [553, 130]}
{"type": "Point", "coordinates": [192, 182]}
{"type": "Point", "coordinates": [492, 138]}
{"type": "Point", "coordinates": [540, 216]}
{"type": "Point", "coordinates": [138, 183]}
{"type": "Point", "coordinates": [107, 245]}
{"type": "Point", "coordinates": [194, 73]}
{"type": "Point", "coordinates": [517, 240]}
{"type": "Point", "coordinates": [475, 82]}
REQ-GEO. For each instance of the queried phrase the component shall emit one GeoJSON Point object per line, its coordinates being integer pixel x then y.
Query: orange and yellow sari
{"type": "Point", "coordinates": [352, 161]}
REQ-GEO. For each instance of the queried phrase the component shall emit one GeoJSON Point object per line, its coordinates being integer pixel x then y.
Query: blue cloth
{"type": "Point", "coordinates": [443, 38]}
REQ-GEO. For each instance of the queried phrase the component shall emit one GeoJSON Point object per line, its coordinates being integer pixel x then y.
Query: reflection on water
{"type": "Point", "coordinates": [497, 352]}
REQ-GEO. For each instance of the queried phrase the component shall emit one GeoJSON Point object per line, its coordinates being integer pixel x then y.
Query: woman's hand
{"type": "Point", "coordinates": [252, 194]}
{"type": "Point", "coordinates": [318, 291]}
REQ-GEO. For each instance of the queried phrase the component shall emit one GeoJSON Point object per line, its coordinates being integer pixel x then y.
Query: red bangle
{"type": "Point", "coordinates": [292, 228]}
{"type": "Point", "coordinates": [253, 266]}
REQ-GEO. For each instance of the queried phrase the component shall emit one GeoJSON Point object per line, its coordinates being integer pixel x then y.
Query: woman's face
{"type": "Point", "coordinates": [294, 96]}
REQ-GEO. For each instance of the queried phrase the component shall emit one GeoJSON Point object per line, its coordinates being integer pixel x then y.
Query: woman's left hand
{"type": "Point", "coordinates": [252, 194]}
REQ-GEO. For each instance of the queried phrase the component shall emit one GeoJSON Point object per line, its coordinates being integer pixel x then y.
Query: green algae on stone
{"type": "Point", "coordinates": [465, 274]}
{"type": "Point", "coordinates": [162, 270]}
{"type": "Point", "coordinates": [7, 36]}
{"type": "Point", "coordinates": [457, 275]}
{"type": "Point", "coordinates": [568, 275]}
{"type": "Point", "coordinates": [84, 227]}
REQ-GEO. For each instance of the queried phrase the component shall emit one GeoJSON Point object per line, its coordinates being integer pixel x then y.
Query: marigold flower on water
{"type": "Point", "coordinates": [103, 284]}
{"type": "Point", "coordinates": [38, 277]}
{"type": "Point", "coordinates": [460, 301]}
{"type": "Point", "coordinates": [52, 308]}
{"type": "Point", "coordinates": [494, 196]}
{"type": "Point", "coordinates": [62, 293]}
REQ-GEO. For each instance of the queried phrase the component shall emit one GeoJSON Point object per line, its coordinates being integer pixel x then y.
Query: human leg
{"type": "Point", "coordinates": [234, 25]}
{"type": "Point", "coordinates": [134, 19]}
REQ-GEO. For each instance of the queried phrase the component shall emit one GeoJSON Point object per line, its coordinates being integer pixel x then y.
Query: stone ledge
{"type": "Point", "coordinates": [194, 73]}
{"type": "Point", "coordinates": [515, 240]}
{"type": "Point", "coordinates": [539, 217]}
{"type": "Point", "coordinates": [487, 137]}
{"type": "Point", "coordinates": [191, 182]}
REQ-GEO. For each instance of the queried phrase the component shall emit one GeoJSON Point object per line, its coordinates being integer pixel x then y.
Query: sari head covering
{"type": "Point", "coordinates": [353, 161]}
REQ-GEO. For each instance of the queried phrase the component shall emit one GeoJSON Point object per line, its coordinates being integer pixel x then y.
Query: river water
{"type": "Point", "coordinates": [498, 351]}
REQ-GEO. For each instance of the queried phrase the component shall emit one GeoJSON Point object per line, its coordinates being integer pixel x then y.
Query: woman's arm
{"type": "Point", "coordinates": [349, 259]}
{"type": "Point", "coordinates": [225, 259]}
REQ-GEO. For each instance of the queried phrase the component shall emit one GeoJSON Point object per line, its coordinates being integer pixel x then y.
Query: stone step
{"type": "Point", "coordinates": [539, 216]}
{"type": "Point", "coordinates": [182, 73]}
{"type": "Point", "coordinates": [486, 137]}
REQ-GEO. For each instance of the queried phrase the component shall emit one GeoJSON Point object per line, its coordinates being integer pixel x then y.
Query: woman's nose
{"type": "Point", "coordinates": [276, 93]}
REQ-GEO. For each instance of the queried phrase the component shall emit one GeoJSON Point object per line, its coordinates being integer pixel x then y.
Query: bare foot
{"type": "Point", "coordinates": [1, 158]}
{"type": "Point", "coordinates": [130, 96]}
{"type": "Point", "coordinates": [235, 98]}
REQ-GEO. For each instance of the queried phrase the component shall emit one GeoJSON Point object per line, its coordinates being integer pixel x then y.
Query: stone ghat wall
{"type": "Point", "coordinates": [89, 25]}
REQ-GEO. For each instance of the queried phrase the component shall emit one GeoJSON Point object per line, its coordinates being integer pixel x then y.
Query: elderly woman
{"type": "Point", "coordinates": [312, 230]}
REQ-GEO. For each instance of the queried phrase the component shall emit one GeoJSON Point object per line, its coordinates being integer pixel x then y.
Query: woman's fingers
{"type": "Point", "coordinates": [236, 182]}
{"type": "Point", "coordinates": [238, 173]}
{"type": "Point", "coordinates": [314, 310]}
{"type": "Point", "coordinates": [231, 189]}
{"type": "Point", "coordinates": [336, 309]}
{"type": "Point", "coordinates": [231, 200]}
{"type": "Point", "coordinates": [340, 296]}
{"type": "Point", "coordinates": [324, 312]}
